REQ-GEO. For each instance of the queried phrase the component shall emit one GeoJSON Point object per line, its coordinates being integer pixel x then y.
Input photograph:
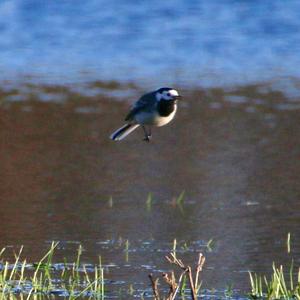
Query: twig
{"type": "Point", "coordinates": [171, 282]}
{"type": "Point", "coordinates": [174, 260]}
{"type": "Point", "coordinates": [193, 292]}
{"type": "Point", "coordinates": [178, 285]}
{"type": "Point", "coordinates": [154, 283]}
{"type": "Point", "coordinates": [170, 279]}
{"type": "Point", "coordinates": [200, 264]}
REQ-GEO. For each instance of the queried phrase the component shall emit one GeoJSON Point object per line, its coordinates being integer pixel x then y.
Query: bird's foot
{"type": "Point", "coordinates": [147, 138]}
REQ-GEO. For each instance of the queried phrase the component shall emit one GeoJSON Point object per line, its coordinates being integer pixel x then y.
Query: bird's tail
{"type": "Point", "coordinates": [122, 132]}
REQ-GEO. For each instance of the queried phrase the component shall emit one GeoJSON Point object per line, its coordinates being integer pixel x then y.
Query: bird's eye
{"type": "Point", "coordinates": [168, 94]}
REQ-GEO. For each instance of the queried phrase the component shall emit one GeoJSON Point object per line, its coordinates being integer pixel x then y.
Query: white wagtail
{"type": "Point", "coordinates": [156, 108]}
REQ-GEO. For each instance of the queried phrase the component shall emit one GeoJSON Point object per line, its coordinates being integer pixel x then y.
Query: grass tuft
{"type": "Point", "coordinates": [281, 285]}
{"type": "Point", "coordinates": [42, 278]}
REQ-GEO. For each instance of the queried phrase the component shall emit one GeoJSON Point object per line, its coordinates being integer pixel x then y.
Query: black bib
{"type": "Point", "coordinates": [166, 107]}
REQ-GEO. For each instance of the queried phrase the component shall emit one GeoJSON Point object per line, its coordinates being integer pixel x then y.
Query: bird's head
{"type": "Point", "coordinates": [166, 93]}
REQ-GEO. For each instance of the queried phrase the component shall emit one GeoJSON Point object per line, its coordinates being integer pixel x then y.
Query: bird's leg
{"type": "Point", "coordinates": [147, 136]}
{"type": "Point", "coordinates": [150, 132]}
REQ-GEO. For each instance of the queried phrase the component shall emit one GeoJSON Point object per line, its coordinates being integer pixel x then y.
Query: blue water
{"type": "Point", "coordinates": [213, 42]}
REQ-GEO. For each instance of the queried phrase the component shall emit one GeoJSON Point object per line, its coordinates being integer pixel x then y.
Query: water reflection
{"type": "Point", "coordinates": [240, 171]}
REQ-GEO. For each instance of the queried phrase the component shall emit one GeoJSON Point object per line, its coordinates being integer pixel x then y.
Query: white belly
{"type": "Point", "coordinates": [154, 119]}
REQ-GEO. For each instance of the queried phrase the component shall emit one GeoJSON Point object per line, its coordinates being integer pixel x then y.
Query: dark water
{"type": "Point", "coordinates": [234, 152]}
{"type": "Point", "coordinates": [155, 43]}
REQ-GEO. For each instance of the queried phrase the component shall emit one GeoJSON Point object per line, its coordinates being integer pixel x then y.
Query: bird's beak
{"type": "Point", "coordinates": [178, 97]}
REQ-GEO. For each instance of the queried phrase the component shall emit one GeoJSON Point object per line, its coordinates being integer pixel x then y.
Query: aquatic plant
{"type": "Point", "coordinates": [71, 280]}
{"type": "Point", "coordinates": [180, 198]}
{"type": "Point", "coordinates": [149, 202]}
{"type": "Point", "coordinates": [281, 285]}
{"type": "Point", "coordinates": [210, 245]}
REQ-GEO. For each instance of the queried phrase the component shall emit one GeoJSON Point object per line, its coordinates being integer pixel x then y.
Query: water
{"type": "Point", "coordinates": [182, 42]}
{"type": "Point", "coordinates": [70, 72]}
{"type": "Point", "coordinates": [237, 160]}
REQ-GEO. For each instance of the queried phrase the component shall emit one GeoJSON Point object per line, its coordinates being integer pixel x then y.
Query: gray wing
{"type": "Point", "coordinates": [145, 103]}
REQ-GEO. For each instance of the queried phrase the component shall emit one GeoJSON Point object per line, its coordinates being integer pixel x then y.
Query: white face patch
{"type": "Point", "coordinates": [173, 93]}
{"type": "Point", "coordinates": [167, 95]}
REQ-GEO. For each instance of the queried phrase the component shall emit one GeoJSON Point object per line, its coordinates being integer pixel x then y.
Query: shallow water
{"type": "Point", "coordinates": [234, 152]}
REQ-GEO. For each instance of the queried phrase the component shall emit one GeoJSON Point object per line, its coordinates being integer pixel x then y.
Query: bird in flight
{"type": "Point", "coordinates": [156, 108]}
